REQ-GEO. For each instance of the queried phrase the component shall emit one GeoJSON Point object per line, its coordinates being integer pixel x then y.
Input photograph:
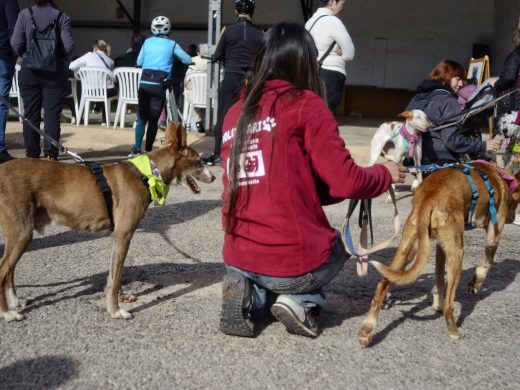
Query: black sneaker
{"type": "Point", "coordinates": [237, 304]}
{"type": "Point", "coordinates": [134, 153]}
{"type": "Point", "coordinates": [212, 160]}
{"type": "Point", "coordinates": [296, 318]}
{"type": "Point", "coordinates": [5, 157]}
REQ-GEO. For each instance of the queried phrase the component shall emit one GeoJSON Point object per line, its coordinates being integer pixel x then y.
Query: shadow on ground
{"type": "Point", "coordinates": [142, 281]}
{"type": "Point", "coordinates": [352, 297]}
{"type": "Point", "coordinates": [45, 372]}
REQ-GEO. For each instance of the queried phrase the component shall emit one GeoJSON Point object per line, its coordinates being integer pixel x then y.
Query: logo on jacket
{"type": "Point", "coordinates": [251, 165]}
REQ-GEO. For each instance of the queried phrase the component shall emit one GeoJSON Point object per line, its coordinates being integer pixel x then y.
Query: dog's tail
{"type": "Point", "coordinates": [416, 231]}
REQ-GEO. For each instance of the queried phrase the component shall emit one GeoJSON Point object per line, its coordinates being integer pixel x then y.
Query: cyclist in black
{"type": "Point", "coordinates": [236, 49]}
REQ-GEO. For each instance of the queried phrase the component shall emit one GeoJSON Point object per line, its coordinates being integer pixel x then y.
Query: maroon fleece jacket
{"type": "Point", "coordinates": [295, 163]}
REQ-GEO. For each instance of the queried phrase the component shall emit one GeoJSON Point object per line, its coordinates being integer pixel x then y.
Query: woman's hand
{"type": "Point", "coordinates": [397, 171]}
{"type": "Point", "coordinates": [493, 145]}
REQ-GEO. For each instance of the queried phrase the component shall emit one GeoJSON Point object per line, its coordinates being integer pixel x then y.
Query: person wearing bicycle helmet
{"type": "Point", "coordinates": [156, 58]}
{"type": "Point", "coordinates": [236, 48]}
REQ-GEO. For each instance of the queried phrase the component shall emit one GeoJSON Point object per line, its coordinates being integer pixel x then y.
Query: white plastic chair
{"type": "Point", "coordinates": [128, 83]}
{"type": "Point", "coordinates": [198, 90]}
{"type": "Point", "coordinates": [15, 91]}
{"type": "Point", "coordinates": [94, 89]}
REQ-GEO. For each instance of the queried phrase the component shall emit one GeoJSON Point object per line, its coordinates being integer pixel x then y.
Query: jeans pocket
{"type": "Point", "coordinates": [297, 285]}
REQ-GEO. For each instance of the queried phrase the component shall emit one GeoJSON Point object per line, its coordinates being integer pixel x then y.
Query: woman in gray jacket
{"type": "Point", "coordinates": [42, 88]}
{"type": "Point", "coordinates": [437, 97]}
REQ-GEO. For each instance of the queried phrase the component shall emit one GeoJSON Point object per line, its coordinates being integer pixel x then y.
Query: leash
{"type": "Point", "coordinates": [54, 143]}
{"type": "Point", "coordinates": [468, 113]}
{"type": "Point", "coordinates": [365, 222]}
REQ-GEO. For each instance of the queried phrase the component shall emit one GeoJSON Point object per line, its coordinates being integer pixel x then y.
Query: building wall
{"type": "Point", "coordinates": [397, 42]}
{"type": "Point", "coordinates": [506, 20]}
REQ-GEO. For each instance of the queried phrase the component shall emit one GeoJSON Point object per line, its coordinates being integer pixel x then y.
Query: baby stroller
{"type": "Point", "coordinates": [478, 108]}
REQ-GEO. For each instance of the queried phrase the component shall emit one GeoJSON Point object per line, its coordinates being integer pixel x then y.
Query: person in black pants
{"type": "Point", "coordinates": [42, 88]}
{"type": "Point", "coordinates": [236, 48]}
{"type": "Point", "coordinates": [156, 59]}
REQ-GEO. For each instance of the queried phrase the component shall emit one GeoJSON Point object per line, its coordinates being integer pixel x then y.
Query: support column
{"type": "Point", "coordinates": [214, 24]}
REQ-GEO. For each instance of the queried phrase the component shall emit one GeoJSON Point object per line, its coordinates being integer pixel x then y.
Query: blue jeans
{"type": "Point", "coordinates": [307, 288]}
{"type": "Point", "coordinates": [6, 78]}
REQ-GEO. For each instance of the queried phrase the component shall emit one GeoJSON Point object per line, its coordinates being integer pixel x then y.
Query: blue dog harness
{"type": "Point", "coordinates": [466, 169]}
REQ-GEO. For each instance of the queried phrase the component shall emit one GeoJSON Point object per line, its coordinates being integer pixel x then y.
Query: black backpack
{"type": "Point", "coordinates": [43, 48]}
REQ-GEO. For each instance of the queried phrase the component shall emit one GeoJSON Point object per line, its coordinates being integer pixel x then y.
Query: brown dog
{"type": "Point", "coordinates": [35, 193]}
{"type": "Point", "coordinates": [441, 206]}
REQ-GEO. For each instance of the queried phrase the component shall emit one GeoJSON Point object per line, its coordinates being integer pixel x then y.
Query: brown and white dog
{"type": "Point", "coordinates": [35, 193]}
{"type": "Point", "coordinates": [441, 206]}
{"type": "Point", "coordinates": [396, 140]}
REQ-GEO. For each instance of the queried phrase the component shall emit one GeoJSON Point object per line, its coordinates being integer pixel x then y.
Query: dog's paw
{"type": "Point", "coordinates": [474, 285]}
{"type": "Point", "coordinates": [458, 335]}
{"type": "Point", "coordinates": [415, 184]}
{"type": "Point", "coordinates": [127, 298]}
{"type": "Point", "coordinates": [12, 315]}
{"type": "Point", "coordinates": [122, 314]}
{"type": "Point", "coordinates": [365, 335]}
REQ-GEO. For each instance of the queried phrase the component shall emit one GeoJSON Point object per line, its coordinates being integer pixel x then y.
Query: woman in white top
{"type": "Point", "coordinates": [99, 56]}
{"type": "Point", "coordinates": [326, 28]}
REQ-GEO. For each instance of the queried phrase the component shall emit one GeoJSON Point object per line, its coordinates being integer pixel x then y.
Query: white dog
{"type": "Point", "coordinates": [396, 140]}
{"type": "Point", "coordinates": [507, 127]}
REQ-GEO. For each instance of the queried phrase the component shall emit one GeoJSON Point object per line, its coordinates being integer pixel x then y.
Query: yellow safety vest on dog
{"type": "Point", "coordinates": [158, 189]}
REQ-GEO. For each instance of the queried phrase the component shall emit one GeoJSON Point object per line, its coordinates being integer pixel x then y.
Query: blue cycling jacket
{"type": "Point", "coordinates": [157, 54]}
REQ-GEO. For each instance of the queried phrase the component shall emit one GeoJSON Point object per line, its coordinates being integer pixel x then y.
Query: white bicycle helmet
{"type": "Point", "coordinates": [161, 25]}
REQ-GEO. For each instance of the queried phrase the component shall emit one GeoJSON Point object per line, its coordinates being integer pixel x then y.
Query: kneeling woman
{"type": "Point", "coordinates": [283, 159]}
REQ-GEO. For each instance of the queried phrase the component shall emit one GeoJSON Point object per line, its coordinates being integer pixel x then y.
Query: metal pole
{"type": "Point", "coordinates": [214, 22]}
{"type": "Point", "coordinates": [137, 17]}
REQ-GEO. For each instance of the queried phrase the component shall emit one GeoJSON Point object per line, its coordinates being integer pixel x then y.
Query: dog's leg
{"type": "Point", "coordinates": [438, 290]}
{"type": "Point", "coordinates": [417, 156]}
{"type": "Point", "coordinates": [13, 301]}
{"type": "Point", "coordinates": [406, 250]}
{"type": "Point", "coordinates": [481, 271]}
{"type": "Point", "coordinates": [16, 240]}
{"type": "Point", "coordinates": [453, 247]}
{"type": "Point", "coordinates": [119, 251]}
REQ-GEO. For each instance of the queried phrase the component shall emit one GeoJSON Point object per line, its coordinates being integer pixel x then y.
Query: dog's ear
{"type": "Point", "coordinates": [176, 136]}
{"type": "Point", "coordinates": [182, 136]}
{"type": "Point", "coordinates": [406, 115]}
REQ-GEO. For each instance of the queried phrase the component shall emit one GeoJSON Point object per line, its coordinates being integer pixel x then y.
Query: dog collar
{"type": "Point", "coordinates": [158, 189]}
{"type": "Point", "coordinates": [411, 138]}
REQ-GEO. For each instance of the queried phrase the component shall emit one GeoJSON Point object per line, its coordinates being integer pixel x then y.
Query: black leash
{"type": "Point", "coordinates": [54, 143]}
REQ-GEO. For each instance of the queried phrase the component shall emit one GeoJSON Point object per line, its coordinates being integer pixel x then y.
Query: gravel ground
{"type": "Point", "coordinates": [174, 267]}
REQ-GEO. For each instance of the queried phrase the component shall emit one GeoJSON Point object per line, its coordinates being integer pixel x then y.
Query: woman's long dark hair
{"type": "Point", "coordinates": [287, 52]}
